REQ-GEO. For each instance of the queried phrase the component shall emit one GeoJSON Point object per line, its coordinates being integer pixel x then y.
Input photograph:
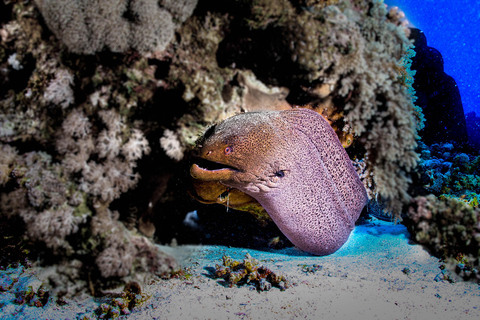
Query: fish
{"type": "Point", "coordinates": [294, 165]}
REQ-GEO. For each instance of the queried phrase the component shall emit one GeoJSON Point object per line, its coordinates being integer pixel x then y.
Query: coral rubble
{"type": "Point", "coordinates": [20, 287]}
{"type": "Point", "coordinates": [237, 272]}
{"type": "Point", "coordinates": [131, 297]}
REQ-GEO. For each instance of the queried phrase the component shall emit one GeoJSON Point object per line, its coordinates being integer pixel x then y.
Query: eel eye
{"type": "Point", "coordinates": [280, 174]}
{"type": "Point", "coordinates": [228, 150]}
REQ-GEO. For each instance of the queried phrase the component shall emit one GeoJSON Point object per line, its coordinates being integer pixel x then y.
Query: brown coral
{"type": "Point", "coordinates": [236, 272]}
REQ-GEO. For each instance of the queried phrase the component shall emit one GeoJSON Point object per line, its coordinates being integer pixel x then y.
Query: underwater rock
{"type": "Point", "coordinates": [438, 95]}
{"type": "Point", "coordinates": [293, 164]}
{"type": "Point", "coordinates": [259, 97]}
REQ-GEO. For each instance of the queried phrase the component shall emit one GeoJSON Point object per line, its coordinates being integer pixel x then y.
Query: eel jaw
{"type": "Point", "coordinates": [222, 173]}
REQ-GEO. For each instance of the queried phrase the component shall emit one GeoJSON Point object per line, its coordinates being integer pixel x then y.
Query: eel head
{"type": "Point", "coordinates": [238, 153]}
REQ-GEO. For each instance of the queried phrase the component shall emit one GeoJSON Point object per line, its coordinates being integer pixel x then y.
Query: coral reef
{"type": "Point", "coordinates": [87, 135]}
{"type": "Point", "coordinates": [449, 172]}
{"type": "Point", "coordinates": [445, 214]}
{"type": "Point", "coordinates": [450, 229]}
{"type": "Point", "coordinates": [51, 203]}
{"type": "Point", "coordinates": [237, 272]}
{"type": "Point", "coordinates": [72, 135]}
{"type": "Point", "coordinates": [86, 27]}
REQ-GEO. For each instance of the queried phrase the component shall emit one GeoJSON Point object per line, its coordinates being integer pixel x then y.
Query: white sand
{"type": "Point", "coordinates": [363, 280]}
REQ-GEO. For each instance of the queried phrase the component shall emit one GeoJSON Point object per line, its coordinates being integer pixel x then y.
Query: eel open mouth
{"type": "Point", "coordinates": [207, 170]}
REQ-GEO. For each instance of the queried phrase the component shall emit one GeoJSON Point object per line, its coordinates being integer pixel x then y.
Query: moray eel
{"type": "Point", "coordinates": [294, 165]}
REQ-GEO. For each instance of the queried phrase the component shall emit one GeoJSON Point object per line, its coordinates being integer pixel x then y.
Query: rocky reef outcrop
{"type": "Point", "coordinates": [98, 107]}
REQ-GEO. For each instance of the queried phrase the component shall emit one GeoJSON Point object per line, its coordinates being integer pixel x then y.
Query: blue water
{"type": "Point", "coordinates": [452, 27]}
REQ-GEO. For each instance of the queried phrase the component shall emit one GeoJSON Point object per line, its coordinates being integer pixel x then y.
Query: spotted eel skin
{"type": "Point", "coordinates": [294, 165]}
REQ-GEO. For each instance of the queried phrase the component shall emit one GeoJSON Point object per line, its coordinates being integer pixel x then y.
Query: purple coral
{"type": "Point", "coordinates": [110, 175]}
{"type": "Point", "coordinates": [108, 180]}
{"type": "Point", "coordinates": [108, 144]}
{"type": "Point", "coordinates": [76, 124]}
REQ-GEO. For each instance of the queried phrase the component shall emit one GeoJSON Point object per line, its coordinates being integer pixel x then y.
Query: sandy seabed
{"type": "Point", "coordinates": [378, 274]}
